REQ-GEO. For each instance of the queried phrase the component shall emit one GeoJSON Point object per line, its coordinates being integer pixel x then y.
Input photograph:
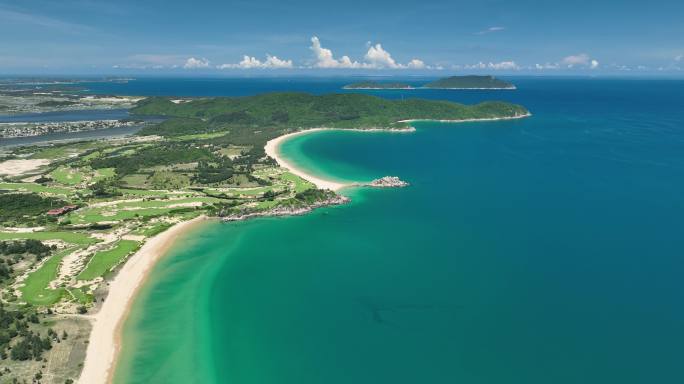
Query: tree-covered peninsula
{"type": "Point", "coordinates": [254, 120]}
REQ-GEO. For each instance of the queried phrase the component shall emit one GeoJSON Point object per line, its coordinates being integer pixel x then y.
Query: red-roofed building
{"type": "Point", "coordinates": [63, 210]}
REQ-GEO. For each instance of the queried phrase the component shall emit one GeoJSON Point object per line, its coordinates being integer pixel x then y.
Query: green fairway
{"type": "Point", "coordinates": [240, 191]}
{"type": "Point", "coordinates": [67, 176]}
{"type": "Point", "coordinates": [35, 290]}
{"type": "Point", "coordinates": [199, 136]}
{"type": "Point", "coordinates": [300, 184]}
{"type": "Point", "coordinates": [142, 192]}
{"type": "Point", "coordinates": [98, 216]}
{"type": "Point", "coordinates": [154, 229]}
{"type": "Point", "coordinates": [104, 261]}
{"type": "Point", "coordinates": [166, 203]}
{"type": "Point", "coordinates": [130, 210]}
{"type": "Point", "coordinates": [79, 295]}
{"type": "Point", "coordinates": [69, 237]}
{"type": "Point", "coordinates": [37, 188]}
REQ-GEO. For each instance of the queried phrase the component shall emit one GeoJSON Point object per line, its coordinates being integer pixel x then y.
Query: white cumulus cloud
{"type": "Point", "coordinates": [375, 58]}
{"type": "Point", "coordinates": [679, 57]}
{"type": "Point", "coordinates": [325, 58]}
{"type": "Point", "coordinates": [193, 63]}
{"type": "Point", "coordinates": [580, 60]}
{"type": "Point", "coordinates": [250, 62]}
{"type": "Point", "coordinates": [417, 64]}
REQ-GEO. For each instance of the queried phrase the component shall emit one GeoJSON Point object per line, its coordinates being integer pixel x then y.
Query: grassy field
{"type": "Point", "coordinates": [138, 180]}
{"type": "Point", "coordinates": [79, 295]}
{"type": "Point", "coordinates": [142, 192]}
{"type": "Point", "coordinates": [68, 237]}
{"type": "Point", "coordinates": [166, 203]}
{"type": "Point", "coordinates": [300, 184]}
{"type": "Point", "coordinates": [234, 151]}
{"type": "Point", "coordinates": [37, 188]}
{"type": "Point", "coordinates": [199, 136]}
{"type": "Point", "coordinates": [103, 173]}
{"type": "Point", "coordinates": [266, 204]}
{"type": "Point", "coordinates": [154, 229]}
{"type": "Point", "coordinates": [104, 261]}
{"type": "Point", "coordinates": [52, 153]}
{"type": "Point", "coordinates": [35, 290]}
{"type": "Point", "coordinates": [67, 176]}
{"type": "Point", "coordinates": [137, 209]}
{"type": "Point", "coordinates": [98, 216]}
{"type": "Point", "coordinates": [239, 191]}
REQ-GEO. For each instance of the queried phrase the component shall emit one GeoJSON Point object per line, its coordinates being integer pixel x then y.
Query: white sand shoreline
{"type": "Point", "coordinates": [272, 150]}
{"type": "Point", "coordinates": [272, 147]}
{"type": "Point", "coordinates": [105, 337]}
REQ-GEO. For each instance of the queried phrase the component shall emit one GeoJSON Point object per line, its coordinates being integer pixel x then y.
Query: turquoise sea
{"type": "Point", "coordinates": [543, 250]}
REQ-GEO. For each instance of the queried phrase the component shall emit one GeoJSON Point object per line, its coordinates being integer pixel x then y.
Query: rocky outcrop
{"type": "Point", "coordinates": [388, 182]}
{"type": "Point", "coordinates": [288, 211]}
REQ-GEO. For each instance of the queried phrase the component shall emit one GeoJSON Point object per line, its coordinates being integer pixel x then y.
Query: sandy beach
{"type": "Point", "coordinates": [272, 147]}
{"type": "Point", "coordinates": [105, 337]}
{"type": "Point", "coordinates": [272, 150]}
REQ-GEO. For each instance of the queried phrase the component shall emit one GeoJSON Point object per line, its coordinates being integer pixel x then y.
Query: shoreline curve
{"type": "Point", "coordinates": [272, 149]}
{"type": "Point", "coordinates": [104, 343]}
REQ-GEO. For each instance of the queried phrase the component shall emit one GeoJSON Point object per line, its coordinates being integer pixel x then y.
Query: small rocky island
{"type": "Point", "coordinates": [470, 82]}
{"type": "Point", "coordinates": [377, 85]}
{"type": "Point", "coordinates": [388, 182]}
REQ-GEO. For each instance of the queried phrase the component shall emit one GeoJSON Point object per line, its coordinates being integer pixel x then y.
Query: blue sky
{"type": "Point", "coordinates": [365, 37]}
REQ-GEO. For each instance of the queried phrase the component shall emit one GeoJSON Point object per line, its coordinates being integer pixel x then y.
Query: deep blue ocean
{"type": "Point", "coordinates": [542, 250]}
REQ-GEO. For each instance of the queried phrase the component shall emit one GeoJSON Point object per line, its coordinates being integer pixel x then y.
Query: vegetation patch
{"type": "Point", "coordinates": [67, 176]}
{"type": "Point", "coordinates": [102, 262]}
{"type": "Point", "coordinates": [26, 207]}
{"type": "Point", "coordinates": [36, 188]}
{"type": "Point", "coordinates": [77, 238]}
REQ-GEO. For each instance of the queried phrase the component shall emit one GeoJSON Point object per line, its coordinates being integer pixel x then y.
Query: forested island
{"type": "Point", "coordinates": [470, 82]}
{"type": "Point", "coordinates": [377, 85]}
